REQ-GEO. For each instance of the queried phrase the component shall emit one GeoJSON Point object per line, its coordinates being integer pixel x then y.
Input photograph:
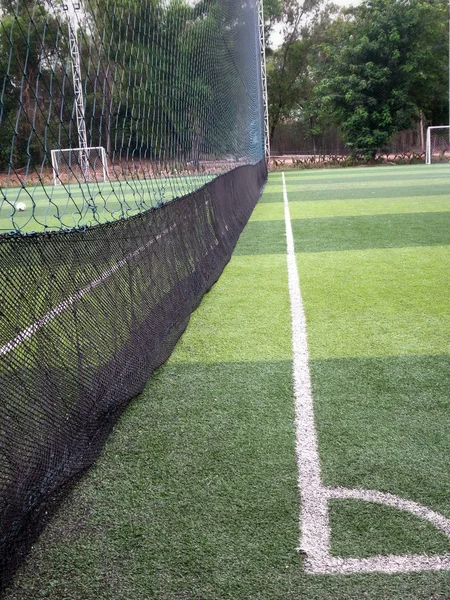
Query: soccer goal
{"type": "Point", "coordinates": [438, 144]}
{"type": "Point", "coordinates": [79, 165]}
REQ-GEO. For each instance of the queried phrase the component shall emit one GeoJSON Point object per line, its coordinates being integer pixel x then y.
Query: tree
{"type": "Point", "coordinates": [288, 67]}
{"type": "Point", "coordinates": [31, 54]}
{"type": "Point", "coordinates": [273, 13]}
{"type": "Point", "coordinates": [165, 96]}
{"type": "Point", "coordinates": [383, 63]}
{"type": "Point", "coordinates": [162, 80]}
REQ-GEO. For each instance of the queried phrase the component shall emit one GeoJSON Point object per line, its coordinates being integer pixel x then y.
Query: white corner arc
{"type": "Point", "coordinates": [314, 496]}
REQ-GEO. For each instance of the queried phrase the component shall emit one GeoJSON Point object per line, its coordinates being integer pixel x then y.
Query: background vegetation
{"type": "Point", "coordinates": [344, 79]}
{"type": "Point", "coordinates": [150, 90]}
{"type": "Point", "coordinates": [367, 71]}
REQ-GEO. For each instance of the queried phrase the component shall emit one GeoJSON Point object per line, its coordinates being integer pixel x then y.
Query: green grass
{"type": "Point", "coordinates": [382, 425]}
{"type": "Point", "coordinates": [409, 183]}
{"type": "Point", "coordinates": [324, 192]}
{"type": "Point", "coordinates": [350, 233]}
{"type": "Point", "coordinates": [364, 174]}
{"type": "Point", "coordinates": [372, 231]}
{"type": "Point", "coordinates": [195, 496]}
{"type": "Point", "coordinates": [397, 176]}
{"type": "Point", "coordinates": [80, 205]}
{"type": "Point", "coordinates": [247, 293]}
{"type": "Point", "coordinates": [336, 208]}
{"type": "Point", "coordinates": [364, 529]}
{"type": "Point", "coordinates": [385, 302]}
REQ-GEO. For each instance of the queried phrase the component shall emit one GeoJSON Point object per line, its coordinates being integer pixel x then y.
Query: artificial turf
{"type": "Point", "coordinates": [383, 425]}
{"type": "Point", "coordinates": [323, 192]}
{"type": "Point", "coordinates": [195, 496]}
{"type": "Point", "coordinates": [385, 301]}
{"type": "Point", "coordinates": [74, 206]}
{"type": "Point", "coordinates": [336, 208]}
{"type": "Point", "coordinates": [350, 233]}
{"type": "Point", "coordinates": [363, 529]}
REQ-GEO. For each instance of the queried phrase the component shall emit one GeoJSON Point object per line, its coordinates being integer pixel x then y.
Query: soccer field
{"type": "Point", "coordinates": [73, 206]}
{"type": "Point", "coordinates": [296, 444]}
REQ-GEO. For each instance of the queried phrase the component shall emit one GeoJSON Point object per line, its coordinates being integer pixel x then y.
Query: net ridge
{"type": "Point", "coordinates": [131, 157]}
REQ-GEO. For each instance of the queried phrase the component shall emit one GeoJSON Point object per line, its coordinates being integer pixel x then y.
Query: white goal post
{"type": "Point", "coordinates": [79, 165]}
{"type": "Point", "coordinates": [438, 144]}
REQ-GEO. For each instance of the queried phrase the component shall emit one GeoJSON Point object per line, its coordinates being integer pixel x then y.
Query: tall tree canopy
{"type": "Point", "coordinates": [383, 63]}
{"type": "Point", "coordinates": [151, 90]}
{"type": "Point", "coordinates": [303, 24]}
{"type": "Point", "coordinates": [31, 46]}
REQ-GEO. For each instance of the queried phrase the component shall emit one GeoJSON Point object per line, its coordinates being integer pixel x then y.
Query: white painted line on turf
{"type": "Point", "coordinates": [29, 331]}
{"type": "Point", "coordinates": [388, 564]}
{"type": "Point", "coordinates": [315, 540]}
{"type": "Point", "coordinates": [435, 518]}
{"type": "Point", "coordinates": [314, 515]}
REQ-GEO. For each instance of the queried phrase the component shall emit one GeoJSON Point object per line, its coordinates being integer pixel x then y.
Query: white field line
{"type": "Point", "coordinates": [315, 540]}
{"type": "Point", "coordinates": [314, 517]}
{"type": "Point", "coordinates": [29, 331]}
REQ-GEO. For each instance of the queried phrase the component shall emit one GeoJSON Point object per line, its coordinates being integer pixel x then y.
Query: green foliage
{"type": "Point", "coordinates": [30, 58]}
{"type": "Point", "coordinates": [382, 63]}
{"type": "Point", "coordinates": [273, 12]}
{"type": "Point", "coordinates": [288, 81]}
{"type": "Point", "coordinates": [150, 89]}
{"type": "Point", "coordinates": [288, 67]}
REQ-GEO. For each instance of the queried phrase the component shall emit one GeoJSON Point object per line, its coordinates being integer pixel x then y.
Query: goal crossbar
{"type": "Point", "coordinates": [438, 145]}
{"type": "Point", "coordinates": [79, 164]}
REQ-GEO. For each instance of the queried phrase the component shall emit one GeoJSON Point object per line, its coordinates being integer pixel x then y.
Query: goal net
{"type": "Point", "coordinates": [79, 165]}
{"type": "Point", "coordinates": [438, 144]}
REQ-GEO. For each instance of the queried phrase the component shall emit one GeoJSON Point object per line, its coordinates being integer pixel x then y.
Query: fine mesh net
{"type": "Point", "coordinates": [131, 156]}
{"type": "Point", "coordinates": [170, 90]}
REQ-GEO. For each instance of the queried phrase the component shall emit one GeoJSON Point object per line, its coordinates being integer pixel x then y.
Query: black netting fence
{"type": "Point", "coordinates": [131, 156]}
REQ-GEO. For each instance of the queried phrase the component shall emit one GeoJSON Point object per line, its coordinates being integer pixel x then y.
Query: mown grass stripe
{"type": "Point", "coordinates": [350, 173]}
{"type": "Point", "coordinates": [247, 293]}
{"type": "Point", "coordinates": [363, 184]}
{"type": "Point", "coordinates": [396, 178]}
{"type": "Point", "coordinates": [352, 208]}
{"type": "Point", "coordinates": [262, 237]}
{"type": "Point", "coordinates": [373, 231]}
{"type": "Point", "coordinates": [366, 207]}
{"type": "Point", "coordinates": [377, 302]}
{"type": "Point", "coordinates": [297, 194]}
{"type": "Point", "coordinates": [348, 233]}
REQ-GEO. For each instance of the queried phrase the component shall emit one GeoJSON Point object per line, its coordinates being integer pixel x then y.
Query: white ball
{"type": "Point", "coordinates": [21, 206]}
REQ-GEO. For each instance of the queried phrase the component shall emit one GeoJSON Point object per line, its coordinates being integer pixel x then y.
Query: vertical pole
{"type": "Point", "coordinates": [421, 130]}
{"type": "Point", "coordinates": [78, 87]}
{"type": "Point", "coordinates": [262, 43]}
